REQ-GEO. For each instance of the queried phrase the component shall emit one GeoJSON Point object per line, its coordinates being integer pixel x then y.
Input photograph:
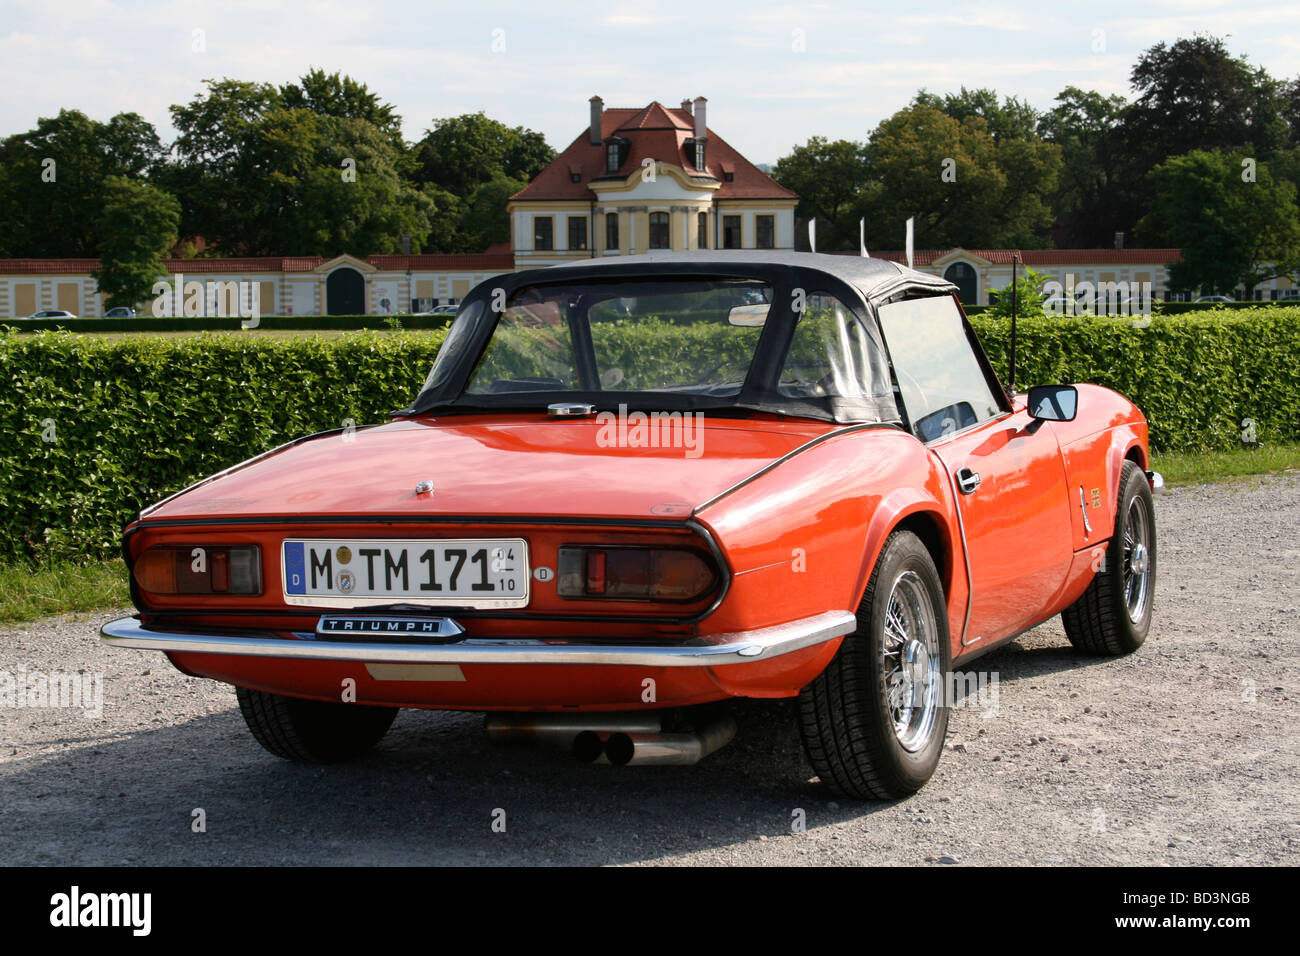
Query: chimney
{"type": "Point", "coordinates": [1119, 240]}
{"type": "Point", "coordinates": [686, 106]}
{"type": "Point", "coordinates": [597, 108]}
{"type": "Point", "coordinates": [701, 126]}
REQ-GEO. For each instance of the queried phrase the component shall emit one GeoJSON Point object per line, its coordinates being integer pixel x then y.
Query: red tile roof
{"type": "Point", "coordinates": [654, 132]}
{"type": "Point", "coordinates": [471, 262]}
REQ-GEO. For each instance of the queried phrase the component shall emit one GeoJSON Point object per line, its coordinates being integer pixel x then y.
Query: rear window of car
{"type": "Point", "coordinates": [680, 335]}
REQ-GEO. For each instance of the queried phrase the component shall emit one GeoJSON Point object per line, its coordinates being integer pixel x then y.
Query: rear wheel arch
{"type": "Point", "coordinates": [924, 519]}
{"type": "Point", "coordinates": [926, 526]}
{"type": "Point", "coordinates": [1136, 455]}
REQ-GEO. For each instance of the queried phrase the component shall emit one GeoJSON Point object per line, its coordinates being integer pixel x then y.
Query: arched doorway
{"type": "Point", "coordinates": [962, 275]}
{"type": "Point", "coordinates": [345, 292]}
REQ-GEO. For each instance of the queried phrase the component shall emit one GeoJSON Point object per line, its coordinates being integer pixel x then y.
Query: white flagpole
{"type": "Point", "coordinates": [909, 241]}
{"type": "Point", "coordinates": [812, 234]}
{"type": "Point", "coordinates": [862, 238]}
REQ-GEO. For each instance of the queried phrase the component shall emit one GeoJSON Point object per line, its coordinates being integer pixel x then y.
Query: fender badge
{"type": "Point", "coordinates": [424, 488]}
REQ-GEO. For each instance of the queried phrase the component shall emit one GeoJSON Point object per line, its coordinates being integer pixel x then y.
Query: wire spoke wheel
{"type": "Point", "coordinates": [1137, 560]}
{"type": "Point", "coordinates": [873, 722]}
{"type": "Point", "coordinates": [1113, 615]}
{"type": "Point", "coordinates": [910, 657]}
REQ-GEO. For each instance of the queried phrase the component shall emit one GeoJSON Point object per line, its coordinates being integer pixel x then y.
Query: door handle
{"type": "Point", "coordinates": [967, 480]}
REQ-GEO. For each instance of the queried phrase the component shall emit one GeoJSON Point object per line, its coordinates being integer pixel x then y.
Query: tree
{"type": "Point", "coordinates": [462, 152]}
{"type": "Point", "coordinates": [963, 188]}
{"type": "Point", "coordinates": [484, 219]}
{"type": "Point", "coordinates": [1012, 119]}
{"type": "Point", "coordinates": [1028, 299]}
{"type": "Point", "coordinates": [829, 177]}
{"type": "Point", "coordinates": [1191, 95]}
{"type": "Point", "coordinates": [1082, 124]}
{"type": "Point", "coordinates": [1232, 232]}
{"type": "Point", "coordinates": [312, 168]}
{"type": "Point", "coordinates": [52, 180]}
{"type": "Point", "coordinates": [334, 94]}
{"type": "Point", "coordinates": [137, 227]}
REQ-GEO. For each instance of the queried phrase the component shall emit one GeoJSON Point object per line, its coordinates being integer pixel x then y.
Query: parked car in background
{"type": "Point", "coordinates": [1215, 298]}
{"type": "Point", "coordinates": [51, 314]}
{"type": "Point", "coordinates": [120, 312]}
{"type": "Point", "coordinates": [635, 488]}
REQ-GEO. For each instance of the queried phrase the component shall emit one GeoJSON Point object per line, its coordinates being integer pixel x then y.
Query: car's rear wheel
{"type": "Point", "coordinates": [1114, 615]}
{"type": "Point", "coordinates": [312, 731]}
{"type": "Point", "coordinates": [873, 723]}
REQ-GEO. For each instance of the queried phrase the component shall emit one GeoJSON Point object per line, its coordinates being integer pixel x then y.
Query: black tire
{"type": "Point", "coordinates": [313, 731]}
{"type": "Point", "coordinates": [845, 718]}
{"type": "Point", "coordinates": [1100, 621]}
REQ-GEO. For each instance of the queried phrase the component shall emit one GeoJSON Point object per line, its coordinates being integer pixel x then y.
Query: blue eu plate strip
{"type": "Point", "coordinates": [295, 568]}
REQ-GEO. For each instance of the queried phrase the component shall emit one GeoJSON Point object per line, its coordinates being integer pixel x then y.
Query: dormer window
{"type": "Point", "coordinates": [694, 149]}
{"type": "Point", "coordinates": [616, 151]}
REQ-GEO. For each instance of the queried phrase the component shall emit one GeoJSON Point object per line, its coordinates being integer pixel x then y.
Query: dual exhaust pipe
{"type": "Point", "coordinates": [622, 739]}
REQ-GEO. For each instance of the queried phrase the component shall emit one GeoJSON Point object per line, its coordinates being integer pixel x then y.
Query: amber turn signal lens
{"type": "Point", "coordinates": [200, 570]}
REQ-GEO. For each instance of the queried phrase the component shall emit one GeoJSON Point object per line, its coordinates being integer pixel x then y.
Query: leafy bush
{"type": "Point", "coordinates": [150, 323]}
{"type": "Point", "coordinates": [1198, 377]}
{"type": "Point", "coordinates": [97, 428]}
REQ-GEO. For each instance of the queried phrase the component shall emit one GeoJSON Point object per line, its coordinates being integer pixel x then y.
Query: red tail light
{"type": "Point", "coordinates": [200, 570]}
{"type": "Point", "coordinates": [634, 574]}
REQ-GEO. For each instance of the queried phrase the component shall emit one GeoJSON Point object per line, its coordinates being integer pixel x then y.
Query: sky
{"type": "Point", "coordinates": [774, 74]}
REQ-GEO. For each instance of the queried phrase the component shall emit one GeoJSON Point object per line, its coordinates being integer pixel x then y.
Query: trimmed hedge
{"type": "Point", "coordinates": [149, 323]}
{"type": "Point", "coordinates": [1197, 377]}
{"type": "Point", "coordinates": [95, 428]}
{"type": "Point", "coordinates": [133, 420]}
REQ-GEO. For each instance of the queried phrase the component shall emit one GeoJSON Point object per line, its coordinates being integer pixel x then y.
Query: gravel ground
{"type": "Point", "coordinates": [1186, 752]}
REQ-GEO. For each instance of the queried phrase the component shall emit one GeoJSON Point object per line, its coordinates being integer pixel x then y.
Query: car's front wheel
{"type": "Point", "coordinates": [874, 721]}
{"type": "Point", "coordinates": [1114, 614]}
{"type": "Point", "coordinates": [312, 731]}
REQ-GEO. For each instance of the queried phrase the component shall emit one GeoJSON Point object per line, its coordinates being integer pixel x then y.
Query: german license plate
{"type": "Point", "coordinates": [361, 572]}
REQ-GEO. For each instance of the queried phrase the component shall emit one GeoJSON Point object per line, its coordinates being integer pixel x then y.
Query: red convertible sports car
{"type": "Point", "coordinates": [635, 488]}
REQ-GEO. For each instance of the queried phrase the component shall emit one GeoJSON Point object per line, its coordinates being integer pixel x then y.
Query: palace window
{"type": "Point", "coordinates": [660, 236]}
{"type": "Point", "coordinates": [543, 233]}
{"type": "Point", "coordinates": [577, 232]}
{"type": "Point", "coordinates": [731, 232]}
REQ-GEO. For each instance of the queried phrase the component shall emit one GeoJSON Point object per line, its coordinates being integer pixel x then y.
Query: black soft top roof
{"type": "Point", "coordinates": [876, 279]}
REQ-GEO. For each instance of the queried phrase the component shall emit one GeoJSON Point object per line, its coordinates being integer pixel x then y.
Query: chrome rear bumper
{"type": "Point", "coordinates": [708, 651]}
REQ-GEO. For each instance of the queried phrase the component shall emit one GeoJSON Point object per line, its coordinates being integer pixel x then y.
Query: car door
{"type": "Point", "coordinates": [1007, 475]}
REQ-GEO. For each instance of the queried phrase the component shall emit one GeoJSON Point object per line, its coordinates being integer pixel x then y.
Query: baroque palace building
{"type": "Point", "coordinates": [646, 179]}
{"type": "Point", "coordinates": [634, 180]}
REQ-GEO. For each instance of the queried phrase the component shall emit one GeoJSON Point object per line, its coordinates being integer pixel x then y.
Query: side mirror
{"type": "Point", "coordinates": [1053, 403]}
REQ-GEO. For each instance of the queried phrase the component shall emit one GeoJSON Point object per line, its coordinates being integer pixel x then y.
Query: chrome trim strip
{"type": "Point", "coordinates": [705, 651]}
{"type": "Point", "coordinates": [1083, 507]}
